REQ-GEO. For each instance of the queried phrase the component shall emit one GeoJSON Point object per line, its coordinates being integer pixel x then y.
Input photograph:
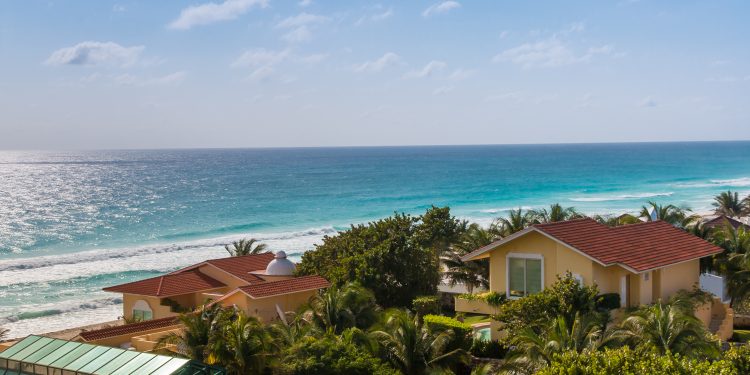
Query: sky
{"type": "Point", "coordinates": [267, 73]}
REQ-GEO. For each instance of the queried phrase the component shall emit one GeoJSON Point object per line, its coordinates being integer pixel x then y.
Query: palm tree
{"type": "Point", "coordinates": [193, 339]}
{"type": "Point", "coordinates": [555, 213]}
{"type": "Point", "coordinates": [516, 221]}
{"type": "Point", "coordinates": [667, 328]}
{"type": "Point", "coordinates": [734, 263]}
{"type": "Point", "coordinates": [472, 273]}
{"type": "Point", "coordinates": [729, 204]}
{"type": "Point", "coordinates": [337, 309]}
{"type": "Point", "coordinates": [246, 247]}
{"type": "Point", "coordinates": [535, 350]}
{"type": "Point", "coordinates": [615, 221]}
{"type": "Point", "coordinates": [3, 332]}
{"type": "Point", "coordinates": [411, 348]}
{"type": "Point", "coordinates": [670, 213]}
{"type": "Point", "coordinates": [242, 345]}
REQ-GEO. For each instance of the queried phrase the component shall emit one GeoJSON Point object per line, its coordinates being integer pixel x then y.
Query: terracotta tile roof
{"type": "Point", "coordinates": [173, 284]}
{"type": "Point", "coordinates": [238, 266]}
{"type": "Point", "coordinates": [721, 220]}
{"type": "Point", "coordinates": [641, 246]}
{"type": "Point", "coordinates": [275, 288]}
{"type": "Point", "coordinates": [129, 329]}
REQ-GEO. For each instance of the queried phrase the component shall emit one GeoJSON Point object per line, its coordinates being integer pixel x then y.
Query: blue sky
{"type": "Point", "coordinates": [265, 73]}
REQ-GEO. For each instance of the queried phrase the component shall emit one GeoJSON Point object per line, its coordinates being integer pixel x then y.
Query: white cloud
{"type": "Point", "coordinates": [461, 74]}
{"type": "Point", "coordinates": [440, 8]}
{"type": "Point", "coordinates": [648, 102]}
{"type": "Point", "coordinates": [504, 34]}
{"type": "Point", "coordinates": [118, 8]}
{"type": "Point", "coordinates": [131, 80]}
{"type": "Point", "coordinates": [515, 97]}
{"type": "Point", "coordinates": [262, 73]}
{"type": "Point", "coordinates": [378, 65]}
{"type": "Point", "coordinates": [431, 68]}
{"type": "Point", "coordinates": [260, 57]}
{"type": "Point", "coordinates": [305, 3]}
{"type": "Point", "coordinates": [208, 13]}
{"type": "Point", "coordinates": [96, 53]}
{"type": "Point", "coordinates": [551, 52]}
{"type": "Point", "coordinates": [379, 15]}
{"type": "Point", "coordinates": [300, 26]}
{"type": "Point", "coordinates": [314, 58]}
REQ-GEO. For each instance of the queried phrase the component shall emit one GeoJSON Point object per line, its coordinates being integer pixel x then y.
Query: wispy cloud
{"type": "Point", "coordinates": [550, 52]}
{"type": "Point", "coordinates": [387, 60]}
{"type": "Point", "coordinates": [377, 14]}
{"type": "Point", "coordinates": [132, 80]}
{"type": "Point", "coordinates": [305, 3]}
{"type": "Point", "coordinates": [516, 97]}
{"type": "Point", "coordinates": [440, 8]}
{"type": "Point", "coordinates": [209, 13]}
{"type": "Point", "coordinates": [428, 70]}
{"type": "Point", "coordinates": [96, 53]}
{"type": "Point", "coordinates": [648, 102]}
{"type": "Point", "coordinates": [461, 74]}
{"type": "Point", "coordinates": [262, 61]}
{"type": "Point", "coordinates": [118, 8]}
{"type": "Point", "coordinates": [314, 58]}
{"type": "Point", "coordinates": [299, 26]}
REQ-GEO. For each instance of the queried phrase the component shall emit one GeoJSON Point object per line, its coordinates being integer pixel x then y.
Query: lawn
{"type": "Point", "coordinates": [474, 319]}
{"type": "Point", "coordinates": [741, 335]}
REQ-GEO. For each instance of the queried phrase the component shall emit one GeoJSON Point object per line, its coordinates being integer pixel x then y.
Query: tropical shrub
{"type": "Point", "coordinates": [331, 355]}
{"type": "Point", "coordinates": [461, 332]}
{"type": "Point", "coordinates": [397, 258]}
{"type": "Point", "coordinates": [488, 349]}
{"type": "Point", "coordinates": [608, 301]}
{"type": "Point", "coordinates": [425, 305]}
{"type": "Point", "coordinates": [337, 309]}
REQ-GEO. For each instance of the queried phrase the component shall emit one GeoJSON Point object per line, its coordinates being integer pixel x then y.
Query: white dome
{"type": "Point", "coordinates": [280, 266]}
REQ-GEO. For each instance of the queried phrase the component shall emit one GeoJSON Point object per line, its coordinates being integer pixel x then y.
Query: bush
{"type": "Point", "coordinates": [495, 298]}
{"type": "Point", "coordinates": [426, 305]}
{"type": "Point", "coordinates": [488, 349]}
{"type": "Point", "coordinates": [608, 301]}
{"type": "Point", "coordinates": [330, 355]}
{"type": "Point", "coordinates": [462, 332]}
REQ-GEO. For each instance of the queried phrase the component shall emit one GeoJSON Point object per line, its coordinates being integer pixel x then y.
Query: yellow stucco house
{"type": "Point", "coordinates": [261, 285]}
{"type": "Point", "coordinates": [641, 262]}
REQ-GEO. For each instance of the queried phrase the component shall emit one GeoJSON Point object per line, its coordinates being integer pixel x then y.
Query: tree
{"type": "Point", "coordinates": [667, 328]}
{"type": "Point", "coordinates": [670, 213]}
{"type": "Point", "coordinates": [246, 247]}
{"type": "Point", "coordinates": [192, 340]}
{"type": "Point", "coordinates": [516, 221]}
{"type": "Point", "coordinates": [734, 263]}
{"type": "Point", "coordinates": [3, 332]}
{"type": "Point", "coordinates": [242, 345]}
{"type": "Point", "coordinates": [397, 258]}
{"type": "Point", "coordinates": [337, 309]}
{"type": "Point", "coordinates": [472, 274]}
{"type": "Point", "coordinates": [555, 213]}
{"type": "Point", "coordinates": [411, 348]}
{"type": "Point", "coordinates": [729, 204]}
{"type": "Point", "coordinates": [615, 221]}
{"type": "Point", "coordinates": [331, 355]}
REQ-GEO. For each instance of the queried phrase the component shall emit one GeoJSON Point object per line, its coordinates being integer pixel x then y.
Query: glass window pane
{"type": "Point", "coordinates": [147, 315]}
{"type": "Point", "coordinates": [533, 276]}
{"type": "Point", "coordinates": [516, 284]}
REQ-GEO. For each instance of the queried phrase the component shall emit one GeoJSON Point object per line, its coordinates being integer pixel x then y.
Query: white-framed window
{"type": "Point", "coordinates": [578, 278]}
{"type": "Point", "coordinates": [525, 274]}
{"type": "Point", "coordinates": [142, 311]}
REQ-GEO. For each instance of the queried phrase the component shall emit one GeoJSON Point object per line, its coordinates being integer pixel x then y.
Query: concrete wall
{"type": "Point", "coordinates": [679, 276]}
{"type": "Point", "coordinates": [265, 308]}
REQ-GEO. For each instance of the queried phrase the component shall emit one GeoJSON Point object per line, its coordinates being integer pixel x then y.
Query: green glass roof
{"type": "Point", "coordinates": [87, 358]}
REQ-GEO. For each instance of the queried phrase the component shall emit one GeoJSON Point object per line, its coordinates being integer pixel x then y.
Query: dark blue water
{"type": "Point", "coordinates": [72, 222]}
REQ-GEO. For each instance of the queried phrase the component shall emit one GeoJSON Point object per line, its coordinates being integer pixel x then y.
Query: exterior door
{"type": "Point", "coordinates": [624, 291]}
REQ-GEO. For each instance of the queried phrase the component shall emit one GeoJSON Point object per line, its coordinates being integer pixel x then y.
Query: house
{"type": "Point", "coordinates": [642, 262]}
{"type": "Point", "coordinates": [261, 285]}
{"type": "Point", "coordinates": [721, 221]}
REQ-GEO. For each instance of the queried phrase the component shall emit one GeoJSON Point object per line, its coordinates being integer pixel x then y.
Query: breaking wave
{"type": "Point", "coordinates": [622, 197]}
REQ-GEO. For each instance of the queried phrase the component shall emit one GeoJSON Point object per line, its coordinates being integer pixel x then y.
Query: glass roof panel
{"type": "Point", "coordinates": [101, 360]}
{"type": "Point", "coordinates": [86, 358]}
{"type": "Point", "coordinates": [117, 362]}
{"type": "Point", "coordinates": [45, 351]}
{"type": "Point", "coordinates": [173, 365]}
{"type": "Point", "coordinates": [61, 351]}
{"type": "Point", "coordinates": [135, 364]}
{"type": "Point", "coordinates": [149, 367]}
{"type": "Point", "coordinates": [17, 347]}
{"type": "Point", "coordinates": [74, 354]}
{"type": "Point", "coordinates": [29, 350]}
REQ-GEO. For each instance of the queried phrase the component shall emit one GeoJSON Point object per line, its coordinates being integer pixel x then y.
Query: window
{"type": "Point", "coordinates": [525, 274]}
{"type": "Point", "coordinates": [578, 278]}
{"type": "Point", "coordinates": [141, 315]}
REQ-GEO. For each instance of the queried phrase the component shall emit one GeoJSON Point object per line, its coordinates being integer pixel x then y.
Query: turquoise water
{"type": "Point", "coordinates": [73, 222]}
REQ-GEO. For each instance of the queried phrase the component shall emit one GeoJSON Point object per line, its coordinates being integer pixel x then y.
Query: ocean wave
{"type": "Point", "coordinates": [732, 182]}
{"type": "Point", "coordinates": [59, 309]}
{"type": "Point", "coordinates": [503, 209]}
{"type": "Point", "coordinates": [622, 197]}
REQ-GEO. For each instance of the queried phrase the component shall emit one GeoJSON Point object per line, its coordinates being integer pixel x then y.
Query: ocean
{"type": "Point", "coordinates": [74, 222]}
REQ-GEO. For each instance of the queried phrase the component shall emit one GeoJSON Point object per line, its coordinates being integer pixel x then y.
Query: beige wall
{"type": "Point", "coordinates": [159, 311]}
{"type": "Point", "coordinates": [558, 259]}
{"type": "Point", "coordinates": [265, 308]}
{"type": "Point", "coordinates": [679, 276]}
{"type": "Point", "coordinates": [231, 281]}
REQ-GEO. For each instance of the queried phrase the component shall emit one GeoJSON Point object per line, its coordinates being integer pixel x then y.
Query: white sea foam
{"type": "Point", "coordinates": [732, 182]}
{"type": "Point", "coordinates": [64, 320]}
{"type": "Point", "coordinates": [622, 197]}
{"type": "Point", "coordinates": [503, 209]}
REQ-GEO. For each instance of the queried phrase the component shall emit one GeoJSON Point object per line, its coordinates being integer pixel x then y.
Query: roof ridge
{"type": "Point", "coordinates": [158, 289]}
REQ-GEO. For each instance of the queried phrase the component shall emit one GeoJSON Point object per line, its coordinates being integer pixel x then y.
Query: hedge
{"type": "Point", "coordinates": [608, 301]}
{"type": "Point", "coordinates": [462, 332]}
{"type": "Point", "coordinates": [425, 305]}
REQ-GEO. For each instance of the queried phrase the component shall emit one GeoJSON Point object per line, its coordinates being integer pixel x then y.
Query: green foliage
{"type": "Point", "coordinates": [565, 298]}
{"type": "Point", "coordinates": [492, 298]}
{"type": "Point", "coordinates": [728, 203]}
{"type": "Point", "coordinates": [192, 342]}
{"type": "Point", "coordinates": [462, 333]}
{"type": "Point", "coordinates": [488, 349]}
{"type": "Point", "coordinates": [331, 355]}
{"type": "Point", "coordinates": [555, 213]}
{"type": "Point", "coordinates": [608, 301]}
{"type": "Point", "coordinates": [245, 247]}
{"type": "Point", "coordinates": [241, 344]}
{"type": "Point", "coordinates": [627, 361]}
{"type": "Point", "coordinates": [397, 258]}
{"type": "Point", "coordinates": [337, 309]}
{"type": "Point", "coordinates": [474, 273]}
{"type": "Point", "coordinates": [175, 306]}
{"type": "Point", "coordinates": [425, 305]}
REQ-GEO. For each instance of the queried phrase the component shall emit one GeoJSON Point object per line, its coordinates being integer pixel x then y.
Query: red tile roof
{"type": "Point", "coordinates": [640, 247]}
{"type": "Point", "coordinates": [129, 329]}
{"type": "Point", "coordinates": [721, 221]}
{"type": "Point", "coordinates": [238, 266]}
{"type": "Point", "coordinates": [275, 288]}
{"type": "Point", "coordinates": [189, 281]}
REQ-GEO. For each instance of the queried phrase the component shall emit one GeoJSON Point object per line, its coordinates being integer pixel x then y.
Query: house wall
{"type": "Point", "coordinates": [679, 276]}
{"type": "Point", "coordinates": [158, 311]}
{"type": "Point", "coordinates": [229, 280]}
{"type": "Point", "coordinates": [608, 278]}
{"type": "Point", "coordinates": [558, 259]}
{"type": "Point", "coordinates": [120, 341]}
{"type": "Point", "coordinates": [265, 308]}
